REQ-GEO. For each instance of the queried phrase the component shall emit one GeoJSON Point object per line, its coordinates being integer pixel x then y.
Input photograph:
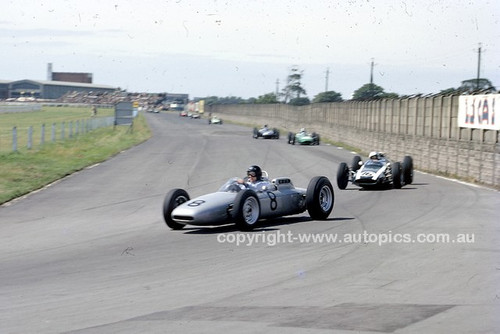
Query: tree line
{"type": "Point", "coordinates": [295, 94]}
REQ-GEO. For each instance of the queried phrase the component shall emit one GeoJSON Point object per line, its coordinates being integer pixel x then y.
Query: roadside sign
{"type": "Point", "coordinates": [124, 113]}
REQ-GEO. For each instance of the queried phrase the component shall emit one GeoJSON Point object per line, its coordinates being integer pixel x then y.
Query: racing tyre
{"type": "Point", "coordinates": [290, 136]}
{"type": "Point", "coordinates": [315, 138]}
{"type": "Point", "coordinates": [173, 199]}
{"type": "Point", "coordinates": [319, 198]}
{"type": "Point", "coordinates": [355, 163]}
{"type": "Point", "coordinates": [408, 170]}
{"type": "Point", "coordinates": [342, 176]}
{"type": "Point", "coordinates": [276, 134]}
{"type": "Point", "coordinates": [246, 210]}
{"type": "Point", "coordinates": [255, 133]}
{"type": "Point", "coordinates": [397, 175]}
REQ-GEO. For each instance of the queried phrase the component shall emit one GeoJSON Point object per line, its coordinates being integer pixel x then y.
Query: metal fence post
{"type": "Point", "coordinates": [53, 136]}
{"type": "Point", "coordinates": [62, 131]}
{"type": "Point", "coordinates": [30, 137]}
{"type": "Point", "coordinates": [42, 136]}
{"type": "Point", "coordinates": [14, 139]}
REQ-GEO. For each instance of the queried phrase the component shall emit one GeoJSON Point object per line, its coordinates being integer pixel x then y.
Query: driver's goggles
{"type": "Point", "coordinates": [252, 174]}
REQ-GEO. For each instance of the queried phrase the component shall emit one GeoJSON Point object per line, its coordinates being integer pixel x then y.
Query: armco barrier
{"type": "Point", "coordinates": [424, 127]}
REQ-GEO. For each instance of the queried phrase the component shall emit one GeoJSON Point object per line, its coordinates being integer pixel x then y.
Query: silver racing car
{"type": "Point", "coordinates": [239, 204]}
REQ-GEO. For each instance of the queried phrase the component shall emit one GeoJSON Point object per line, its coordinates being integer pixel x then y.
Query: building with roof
{"type": "Point", "coordinates": [4, 89]}
{"type": "Point", "coordinates": [48, 89]}
{"type": "Point", "coordinates": [68, 76]}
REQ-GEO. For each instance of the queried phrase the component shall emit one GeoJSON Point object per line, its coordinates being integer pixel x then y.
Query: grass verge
{"type": "Point", "coordinates": [25, 171]}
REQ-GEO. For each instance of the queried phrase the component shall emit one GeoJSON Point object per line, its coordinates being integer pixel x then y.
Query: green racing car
{"type": "Point", "coordinates": [303, 138]}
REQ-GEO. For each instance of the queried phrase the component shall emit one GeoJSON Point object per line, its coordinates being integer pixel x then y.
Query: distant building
{"type": "Point", "coordinates": [68, 76]}
{"type": "Point", "coordinates": [72, 77]}
{"type": "Point", "coordinates": [48, 89]}
{"type": "Point", "coordinates": [4, 89]}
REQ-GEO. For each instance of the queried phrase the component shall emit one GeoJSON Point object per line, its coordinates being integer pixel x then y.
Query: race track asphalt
{"type": "Point", "coordinates": [91, 253]}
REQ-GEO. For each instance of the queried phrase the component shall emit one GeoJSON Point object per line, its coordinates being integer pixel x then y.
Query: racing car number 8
{"type": "Point", "coordinates": [274, 202]}
{"type": "Point", "coordinates": [196, 203]}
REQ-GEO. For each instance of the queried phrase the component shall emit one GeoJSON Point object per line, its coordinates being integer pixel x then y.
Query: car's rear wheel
{"type": "Point", "coordinates": [246, 210]}
{"type": "Point", "coordinates": [290, 136]}
{"type": "Point", "coordinates": [319, 198]}
{"type": "Point", "coordinates": [408, 169]}
{"type": "Point", "coordinates": [173, 199]}
{"type": "Point", "coordinates": [397, 175]}
{"type": "Point", "coordinates": [276, 134]}
{"type": "Point", "coordinates": [342, 176]}
{"type": "Point", "coordinates": [255, 133]}
{"type": "Point", "coordinates": [315, 138]}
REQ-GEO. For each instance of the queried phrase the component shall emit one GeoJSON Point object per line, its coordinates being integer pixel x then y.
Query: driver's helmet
{"type": "Point", "coordinates": [255, 170]}
{"type": "Point", "coordinates": [302, 130]}
{"type": "Point", "coordinates": [373, 155]}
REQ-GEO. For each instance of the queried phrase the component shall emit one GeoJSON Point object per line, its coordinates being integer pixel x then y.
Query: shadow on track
{"type": "Point", "coordinates": [264, 225]}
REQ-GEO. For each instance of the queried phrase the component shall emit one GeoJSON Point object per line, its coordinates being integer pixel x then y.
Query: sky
{"type": "Point", "coordinates": [247, 48]}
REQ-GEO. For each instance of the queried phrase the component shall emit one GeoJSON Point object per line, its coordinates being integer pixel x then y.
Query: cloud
{"type": "Point", "coordinates": [223, 48]}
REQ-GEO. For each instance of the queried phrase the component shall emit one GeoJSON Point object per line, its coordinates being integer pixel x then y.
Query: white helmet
{"type": "Point", "coordinates": [373, 155]}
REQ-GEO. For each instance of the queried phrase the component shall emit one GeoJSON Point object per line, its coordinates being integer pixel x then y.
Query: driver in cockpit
{"type": "Point", "coordinates": [254, 179]}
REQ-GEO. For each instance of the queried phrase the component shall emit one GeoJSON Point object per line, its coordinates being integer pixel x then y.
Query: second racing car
{"type": "Point", "coordinates": [377, 171]}
{"type": "Point", "coordinates": [266, 133]}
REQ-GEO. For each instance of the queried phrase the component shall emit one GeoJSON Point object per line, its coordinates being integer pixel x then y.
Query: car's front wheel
{"type": "Point", "coordinates": [342, 176]}
{"type": "Point", "coordinates": [355, 164]}
{"type": "Point", "coordinates": [173, 199]}
{"type": "Point", "coordinates": [408, 169]}
{"type": "Point", "coordinates": [246, 210]}
{"type": "Point", "coordinates": [397, 175]}
{"type": "Point", "coordinates": [319, 198]}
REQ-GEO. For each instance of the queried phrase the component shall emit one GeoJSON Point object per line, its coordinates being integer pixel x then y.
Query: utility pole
{"type": "Point", "coordinates": [277, 87]}
{"type": "Point", "coordinates": [478, 66]}
{"type": "Point", "coordinates": [371, 73]}
{"type": "Point", "coordinates": [326, 79]}
{"type": "Point", "coordinates": [371, 77]}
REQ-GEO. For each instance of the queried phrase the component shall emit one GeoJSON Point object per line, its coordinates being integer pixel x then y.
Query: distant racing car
{"type": "Point", "coordinates": [266, 133]}
{"type": "Point", "coordinates": [215, 120]}
{"type": "Point", "coordinates": [377, 171]}
{"type": "Point", "coordinates": [238, 204]}
{"type": "Point", "coordinates": [303, 138]}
